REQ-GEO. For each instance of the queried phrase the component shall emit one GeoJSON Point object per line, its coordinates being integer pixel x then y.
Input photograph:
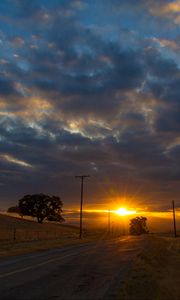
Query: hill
{"type": "Point", "coordinates": [20, 235]}
{"type": "Point", "coordinates": [21, 229]}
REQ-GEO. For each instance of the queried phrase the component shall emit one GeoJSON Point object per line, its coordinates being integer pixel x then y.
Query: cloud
{"type": "Point", "coordinates": [6, 87]}
{"type": "Point", "coordinates": [14, 160]}
{"type": "Point", "coordinates": [166, 8]}
{"type": "Point", "coordinates": [76, 99]}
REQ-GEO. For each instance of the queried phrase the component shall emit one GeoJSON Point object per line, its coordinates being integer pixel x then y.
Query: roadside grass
{"type": "Point", "coordinates": [19, 236]}
{"type": "Point", "coordinates": [156, 272]}
{"type": "Point", "coordinates": [17, 248]}
{"type": "Point", "coordinates": [14, 228]}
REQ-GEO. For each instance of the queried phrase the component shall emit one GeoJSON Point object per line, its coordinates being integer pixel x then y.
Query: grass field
{"type": "Point", "coordinates": [14, 228]}
{"type": "Point", "coordinates": [20, 236]}
{"type": "Point", "coordinates": [156, 272]}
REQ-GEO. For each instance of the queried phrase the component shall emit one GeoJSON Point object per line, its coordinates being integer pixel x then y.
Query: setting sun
{"type": "Point", "coordinates": [122, 211]}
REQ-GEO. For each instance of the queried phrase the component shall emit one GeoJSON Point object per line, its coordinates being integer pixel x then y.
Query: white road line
{"type": "Point", "coordinates": [43, 254]}
{"type": "Point", "coordinates": [125, 239]}
{"type": "Point", "coordinates": [35, 266]}
{"type": "Point", "coordinates": [43, 263]}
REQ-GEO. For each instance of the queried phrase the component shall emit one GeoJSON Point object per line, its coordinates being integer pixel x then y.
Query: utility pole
{"type": "Point", "coordinates": [109, 221]}
{"type": "Point", "coordinates": [174, 219]}
{"type": "Point", "coordinates": [81, 202]}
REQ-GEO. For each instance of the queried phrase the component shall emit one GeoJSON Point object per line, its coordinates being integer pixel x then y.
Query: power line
{"type": "Point", "coordinates": [82, 177]}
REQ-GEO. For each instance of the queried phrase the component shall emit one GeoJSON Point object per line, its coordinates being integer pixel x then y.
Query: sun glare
{"type": "Point", "coordinates": [122, 211]}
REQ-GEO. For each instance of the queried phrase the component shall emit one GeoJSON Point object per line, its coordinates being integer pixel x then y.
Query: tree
{"type": "Point", "coordinates": [42, 207]}
{"type": "Point", "coordinates": [13, 209]}
{"type": "Point", "coordinates": [138, 226]}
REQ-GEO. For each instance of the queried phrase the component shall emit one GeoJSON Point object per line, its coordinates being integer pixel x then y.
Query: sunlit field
{"type": "Point", "coordinates": [120, 219]}
{"type": "Point", "coordinates": [19, 235]}
{"type": "Point", "coordinates": [151, 271]}
{"type": "Point", "coordinates": [15, 228]}
{"type": "Point", "coordinates": [155, 273]}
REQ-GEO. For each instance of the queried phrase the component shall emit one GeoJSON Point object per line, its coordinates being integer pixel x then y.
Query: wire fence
{"type": "Point", "coordinates": [20, 235]}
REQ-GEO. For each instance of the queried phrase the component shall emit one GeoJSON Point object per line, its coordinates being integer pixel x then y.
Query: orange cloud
{"type": "Point", "coordinates": [12, 159]}
{"type": "Point", "coordinates": [168, 10]}
{"type": "Point", "coordinates": [169, 44]}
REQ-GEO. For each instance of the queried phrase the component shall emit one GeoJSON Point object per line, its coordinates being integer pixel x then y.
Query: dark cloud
{"type": "Point", "coordinates": [159, 66]}
{"type": "Point", "coordinates": [6, 87]}
{"type": "Point", "coordinates": [169, 121]}
{"type": "Point", "coordinates": [76, 97]}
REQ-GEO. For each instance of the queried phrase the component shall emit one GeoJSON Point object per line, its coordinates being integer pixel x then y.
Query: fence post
{"type": "Point", "coordinates": [14, 234]}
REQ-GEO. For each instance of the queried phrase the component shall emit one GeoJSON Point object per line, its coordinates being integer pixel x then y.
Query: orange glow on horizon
{"type": "Point", "coordinates": [128, 212]}
{"type": "Point", "coordinates": [123, 211]}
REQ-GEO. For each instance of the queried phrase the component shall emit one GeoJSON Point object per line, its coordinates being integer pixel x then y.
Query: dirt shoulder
{"type": "Point", "coordinates": [20, 236]}
{"type": "Point", "coordinates": [12, 248]}
{"type": "Point", "coordinates": [156, 272]}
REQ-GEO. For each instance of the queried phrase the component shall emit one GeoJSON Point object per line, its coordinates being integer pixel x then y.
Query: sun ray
{"type": "Point", "coordinates": [123, 211]}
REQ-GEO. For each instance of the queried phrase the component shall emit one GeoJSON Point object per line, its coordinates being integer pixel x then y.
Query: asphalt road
{"type": "Point", "coordinates": [84, 272]}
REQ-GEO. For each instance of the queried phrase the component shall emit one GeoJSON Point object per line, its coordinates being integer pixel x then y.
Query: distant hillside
{"type": "Point", "coordinates": [23, 230]}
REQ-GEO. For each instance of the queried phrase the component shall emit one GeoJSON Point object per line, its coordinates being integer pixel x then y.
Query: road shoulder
{"type": "Point", "coordinates": [156, 272]}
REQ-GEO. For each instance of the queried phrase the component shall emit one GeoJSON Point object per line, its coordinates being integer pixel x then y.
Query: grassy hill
{"type": "Point", "coordinates": [29, 229]}
{"type": "Point", "coordinates": [20, 235]}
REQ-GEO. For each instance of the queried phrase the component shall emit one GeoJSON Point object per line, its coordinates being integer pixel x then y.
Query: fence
{"type": "Point", "coordinates": [20, 235]}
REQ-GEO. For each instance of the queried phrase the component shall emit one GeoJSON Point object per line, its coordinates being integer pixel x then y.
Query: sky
{"type": "Point", "coordinates": [90, 87]}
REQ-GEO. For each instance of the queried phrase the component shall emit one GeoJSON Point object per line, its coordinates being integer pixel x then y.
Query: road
{"type": "Point", "coordinates": [83, 272]}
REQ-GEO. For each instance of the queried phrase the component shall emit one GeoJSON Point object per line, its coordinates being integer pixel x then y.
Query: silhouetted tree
{"type": "Point", "coordinates": [42, 207]}
{"type": "Point", "coordinates": [13, 209]}
{"type": "Point", "coordinates": [138, 226]}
